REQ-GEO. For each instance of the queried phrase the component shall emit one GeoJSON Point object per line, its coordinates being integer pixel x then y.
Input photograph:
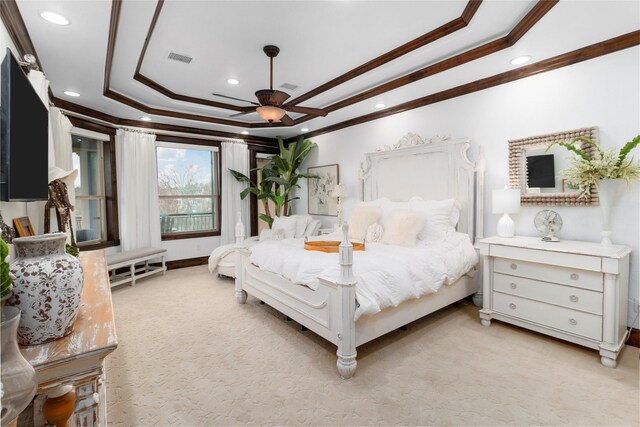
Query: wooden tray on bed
{"type": "Point", "coordinates": [330, 247]}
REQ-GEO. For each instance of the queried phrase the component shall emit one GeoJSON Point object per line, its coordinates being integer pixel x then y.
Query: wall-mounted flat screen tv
{"type": "Point", "coordinates": [24, 136]}
{"type": "Point", "coordinates": [541, 171]}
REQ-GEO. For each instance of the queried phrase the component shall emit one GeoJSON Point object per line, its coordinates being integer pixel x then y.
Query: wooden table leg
{"type": "Point", "coordinates": [59, 406]}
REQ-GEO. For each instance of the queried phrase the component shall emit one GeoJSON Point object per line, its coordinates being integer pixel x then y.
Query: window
{"type": "Point", "coordinates": [189, 190]}
{"type": "Point", "coordinates": [88, 157]}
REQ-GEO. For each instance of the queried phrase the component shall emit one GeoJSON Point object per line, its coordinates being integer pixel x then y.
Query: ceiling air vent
{"type": "Point", "coordinates": [289, 86]}
{"type": "Point", "coordinates": [180, 58]}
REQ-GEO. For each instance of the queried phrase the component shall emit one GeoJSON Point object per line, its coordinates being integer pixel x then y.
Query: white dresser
{"type": "Point", "coordinates": [576, 291]}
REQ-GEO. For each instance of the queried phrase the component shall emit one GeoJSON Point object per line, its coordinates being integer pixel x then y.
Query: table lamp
{"type": "Point", "coordinates": [339, 191]}
{"type": "Point", "coordinates": [506, 202]}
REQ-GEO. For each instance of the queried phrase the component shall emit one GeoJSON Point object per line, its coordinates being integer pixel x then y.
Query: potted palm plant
{"type": "Point", "coordinates": [278, 178]}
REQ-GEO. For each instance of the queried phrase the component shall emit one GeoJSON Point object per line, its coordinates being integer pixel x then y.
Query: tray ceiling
{"type": "Point", "coordinates": [319, 41]}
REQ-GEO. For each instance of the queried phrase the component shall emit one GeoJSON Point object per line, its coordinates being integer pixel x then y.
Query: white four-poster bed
{"type": "Point", "coordinates": [434, 169]}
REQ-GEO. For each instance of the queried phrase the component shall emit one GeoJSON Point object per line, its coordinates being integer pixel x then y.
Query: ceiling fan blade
{"type": "Point", "coordinates": [231, 97]}
{"type": "Point", "coordinates": [304, 110]}
{"type": "Point", "coordinates": [287, 120]}
{"type": "Point", "coordinates": [278, 97]}
{"type": "Point", "coordinates": [249, 110]}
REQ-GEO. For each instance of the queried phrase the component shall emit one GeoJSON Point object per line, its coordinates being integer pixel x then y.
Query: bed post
{"type": "Point", "coordinates": [479, 218]}
{"type": "Point", "coordinates": [346, 325]}
{"type": "Point", "coordinates": [241, 295]}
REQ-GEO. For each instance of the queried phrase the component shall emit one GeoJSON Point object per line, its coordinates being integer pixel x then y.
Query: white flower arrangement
{"type": "Point", "coordinates": [585, 171]}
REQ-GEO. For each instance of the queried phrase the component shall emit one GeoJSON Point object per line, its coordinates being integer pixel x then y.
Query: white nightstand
{"type": "Point", "coordinates": [576, 291]}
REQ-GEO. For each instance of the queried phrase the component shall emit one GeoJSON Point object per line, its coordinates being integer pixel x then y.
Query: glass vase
{"type": "Point", "coordinates": [17, 376]}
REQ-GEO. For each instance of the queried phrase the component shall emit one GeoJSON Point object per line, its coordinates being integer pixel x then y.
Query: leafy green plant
{"type": "Point", "coordinates": [278, 178]}
{"type": "Point", "coordinates": [6, 281]}
{"type": "Point", "coordinates": [585, 171]}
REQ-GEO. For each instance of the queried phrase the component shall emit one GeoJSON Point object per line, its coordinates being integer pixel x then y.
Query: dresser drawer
{"type": "Point", "coordinates": [575, 322]}
{"type": "Point", "coordinates": [549, 273]}
{"type": "Point", "coordinates": [566, 296]}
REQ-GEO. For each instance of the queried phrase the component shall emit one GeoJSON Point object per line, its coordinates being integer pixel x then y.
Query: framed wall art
{"type": "Point", "coordinates": [320, 200]}
{"type": "Point", "coordinates": [23, 227]}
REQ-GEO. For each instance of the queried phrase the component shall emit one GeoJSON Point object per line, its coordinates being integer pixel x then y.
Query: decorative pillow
{"type": "Point", "coordinates": [286, 223]}
{"type": "Point", "coordinates": [313, 228]}
{"type": "Point", "coordinates": [301, 224]}
{"type": "Point", "coordinates": [403, 227]}
{"type": "Point", "coordinates": [360, 220]}
{"type": "Point", "coordinates": [442, 217]}
{"type": "Point", "coordinates": [273, 234]}
{"type": "Point", "coordinates": [374, 233]}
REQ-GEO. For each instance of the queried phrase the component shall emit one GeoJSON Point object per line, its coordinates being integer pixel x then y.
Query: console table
{"type": "Point", "coordinates": [77, 359]}
{"type": "Point", "coordinates": [576, 291]}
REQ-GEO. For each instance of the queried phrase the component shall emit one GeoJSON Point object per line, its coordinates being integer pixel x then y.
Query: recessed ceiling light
{"type": "Point", "coordinates": [54, 18]}
{"type": "Point", "coordinates": [304, 130]}
{"type": "Point", "coordinates": [380, 105]}
{"type": "Point", "coordinates": [520, 60]}
{"type": "Point", "coordinates": [244, 132]}
{"type": "Point", "coordinates": [145, 119]}
{"type": "Point", "coordinates": [71, 93]}
{"type": "Point", "coordinates": [233, 81]}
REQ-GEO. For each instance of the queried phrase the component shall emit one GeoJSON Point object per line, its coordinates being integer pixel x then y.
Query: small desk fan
{"type": "Point", "coordinates": [548, 222]}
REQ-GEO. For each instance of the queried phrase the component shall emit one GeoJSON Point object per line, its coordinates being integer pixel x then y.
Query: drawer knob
{"type": "Point", "coordinates": [574, 276]}
{"type": "Point", "coordinates": [512, 306]}
{"type": "Point", "coordinates": [573, 298]}
{"type": "Point", "coordinates": [513, 285]}
{"type": "Point", "coordinates": [514, 266]}
{"type": "Point", "coordinates": [573, 322]}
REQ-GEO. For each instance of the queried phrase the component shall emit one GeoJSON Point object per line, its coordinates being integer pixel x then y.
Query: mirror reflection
{"type": "Point", "coordinates": [542, 171]}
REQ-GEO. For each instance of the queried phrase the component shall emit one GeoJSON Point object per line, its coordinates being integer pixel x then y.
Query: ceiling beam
{"type": "Point", "coordinates": [584, 54]}
{"type": "Point", "coordinates": [440, 32]}
{"type": "Point", "coordinates": [13, 22]}
{"type": "Point", "coordinates": [116, 121]}
{"type": "Point", "coordinates": [535, 14]}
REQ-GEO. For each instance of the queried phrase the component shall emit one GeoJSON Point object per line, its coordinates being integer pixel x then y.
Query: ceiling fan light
{"type": "Point", "coordinates": [270, 113]}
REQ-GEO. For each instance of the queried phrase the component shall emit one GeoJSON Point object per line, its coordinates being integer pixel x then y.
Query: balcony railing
{"type": "Point", "coordinates": [177, 223]}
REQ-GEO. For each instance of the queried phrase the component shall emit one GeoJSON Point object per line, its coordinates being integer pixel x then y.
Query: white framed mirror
{"type": "Point", "coordinates": [538, 172]}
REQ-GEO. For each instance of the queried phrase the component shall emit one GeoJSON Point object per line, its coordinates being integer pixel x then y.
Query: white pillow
{"type": "Point", "coordinates": [442, 217]}
{"type": "Point", "coordinates": [301, 224]}
{"type": "Point", "coordinates": [286, 223]}
{"type": "Point", "coordinates": [374, 233]}
{"type": "Point", "coordinates": [360, 220]}
{"type": "Point", "coordinates": [403, 227]}
{"type": "Point", "coordinates": [313, 228]}
{"type": "Point", "coordinates": [273, 234]}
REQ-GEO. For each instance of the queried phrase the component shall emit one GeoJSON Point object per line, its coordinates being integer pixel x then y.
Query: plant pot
{"type": "Point", "coordinates": [608, 193]}
{"type": "Point", "coordinates": [18, 376]}
{"type": "Point", "coordinates": [47, 288]}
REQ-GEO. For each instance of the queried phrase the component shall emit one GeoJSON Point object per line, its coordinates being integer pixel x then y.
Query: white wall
{"type": "Point", "coordinates": [601, 92]}
{"type": "Point", "coordinates": [9, 210]}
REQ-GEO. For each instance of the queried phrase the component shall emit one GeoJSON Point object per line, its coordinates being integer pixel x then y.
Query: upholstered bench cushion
{"type": "Point", "coordinates": [135, 254]}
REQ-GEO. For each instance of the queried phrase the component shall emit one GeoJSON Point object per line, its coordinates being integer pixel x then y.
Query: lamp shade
{"type": "Point", "coordinates": [339, 190]}
{"type": "Point", "coordinates": [270, 113]}
{"type": "Point", "coordinates": [506, 201]}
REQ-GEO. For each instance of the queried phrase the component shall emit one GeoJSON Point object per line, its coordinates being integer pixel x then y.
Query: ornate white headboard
{"type": "Point", "coordinates": [434, 169]}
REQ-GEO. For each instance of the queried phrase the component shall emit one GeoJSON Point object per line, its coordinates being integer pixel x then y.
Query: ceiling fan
{"type": "Point", "coordinates": [270, 102]}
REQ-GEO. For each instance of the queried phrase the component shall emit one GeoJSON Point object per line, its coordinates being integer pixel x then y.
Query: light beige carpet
{"type": "Point", "coordinates": [189, 355]}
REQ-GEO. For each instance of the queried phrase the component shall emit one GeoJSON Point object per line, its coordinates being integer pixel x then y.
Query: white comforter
{"type": "Point", "coordinates": [386, 275]}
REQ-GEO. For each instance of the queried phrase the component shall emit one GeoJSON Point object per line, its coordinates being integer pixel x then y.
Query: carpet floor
{"type": "Point", "coordinates": [189, 355]}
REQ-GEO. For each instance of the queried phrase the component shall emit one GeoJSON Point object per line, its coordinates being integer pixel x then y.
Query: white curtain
{"type": "Point", "coordinates": [35, 210]}
{"type": "Point", "coordinates": [61, 130]}
{"type": "Point", "coordinates": [62, 147]}
{"type": "Point", "coordinates": [235, 155]}
{"type": "Point", "coordinates": [139, 212]}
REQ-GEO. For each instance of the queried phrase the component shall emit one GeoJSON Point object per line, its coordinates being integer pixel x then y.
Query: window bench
{"type": "Point", "coordinates": [130, 259]}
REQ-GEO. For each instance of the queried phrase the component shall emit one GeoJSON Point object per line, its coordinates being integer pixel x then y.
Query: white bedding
{"type": "Point", "coordinates": [386, 275]}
